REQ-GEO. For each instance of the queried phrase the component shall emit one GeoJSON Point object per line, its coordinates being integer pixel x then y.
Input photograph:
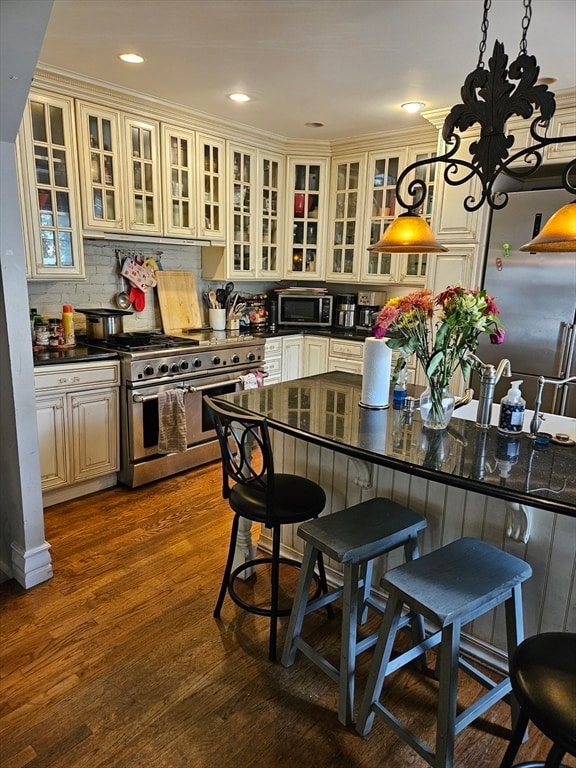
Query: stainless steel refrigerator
{"type": "Point", "coordinates": [536, 294]}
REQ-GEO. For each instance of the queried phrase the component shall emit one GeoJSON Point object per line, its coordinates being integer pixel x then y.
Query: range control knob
{"type": "Point", "coordinates": [215, 360]}
{"type": "Point", "coordinates": [175, 368]}
{"type": "Point", "coordinates": [250, 357]}
{"type": "Point", "coordinates": [163, 368]}
{"type": "Point", "coordinates": [235, 359]}
{"type": "Point", "coordinates": [148, 370]}
{"type": "Point", "coordinates": [184, 365]}
{"type": "Point", "coordinates": [197, 362]}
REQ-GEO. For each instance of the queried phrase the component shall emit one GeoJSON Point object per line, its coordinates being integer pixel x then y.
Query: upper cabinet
{"type": "Point", "coordinates": [256, 210]}
{"type": "Point", "coordinates": [49, 188]}
{"type": "Point", "coordinates": [120, 171]}
{"type": "Point", "coordinates": [143, 177]}
{"type": "Point", "coordinates": [212, 187]}
{"type": "Point", "coordinates": [180, 190]}
{"type": "Point", "coordinates": [347, 194]}
{"type": "Point", "coordinates": [307, 201]}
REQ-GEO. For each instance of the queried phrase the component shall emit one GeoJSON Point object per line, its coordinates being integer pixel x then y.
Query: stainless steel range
{"type": "Point", "coordinates": [152, 363]}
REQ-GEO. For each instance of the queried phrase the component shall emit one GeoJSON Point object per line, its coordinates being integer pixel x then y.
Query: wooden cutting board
{"type": "Point", "coordinates": [178, 300]}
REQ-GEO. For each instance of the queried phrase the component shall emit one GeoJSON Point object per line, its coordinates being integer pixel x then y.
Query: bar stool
{"type": "Point", "coordinates": [352, 537]}
{"type": "Point", "coordinates": [450, 587]}
{"type": "Point", "coordinates": [543, 676]}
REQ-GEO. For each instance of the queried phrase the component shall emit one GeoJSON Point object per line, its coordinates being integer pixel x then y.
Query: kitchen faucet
{"type": "Point", "coordinates": [489, 377]}
{"type": "Point", "coordinates": [538, 417]}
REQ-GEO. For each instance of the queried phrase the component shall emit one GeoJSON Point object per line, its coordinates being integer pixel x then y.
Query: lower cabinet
{"type": "Point", "coordinates": [77, 409]}
{"type": "Point", "coordinates": [346, 356]}
{"type": "Point", "coordinates": [315, 355]}
{"type": "Point", "coordinates": [272, 361]}
{"type": "Point", "coordinates": [292, 357]}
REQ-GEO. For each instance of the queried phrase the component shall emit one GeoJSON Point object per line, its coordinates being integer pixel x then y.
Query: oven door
{"type": "Point", "coordinates": [143, 413]}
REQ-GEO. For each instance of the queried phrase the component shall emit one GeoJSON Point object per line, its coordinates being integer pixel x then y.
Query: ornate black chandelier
{"type": "Point", "coordinates": [489, 99]}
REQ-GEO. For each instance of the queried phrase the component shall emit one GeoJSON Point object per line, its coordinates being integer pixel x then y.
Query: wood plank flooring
{"type": "Point", "coordinates": [117, 662]}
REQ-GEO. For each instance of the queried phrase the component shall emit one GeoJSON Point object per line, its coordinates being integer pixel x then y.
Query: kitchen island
{"type": "Point", "coordinates": [466, 481]}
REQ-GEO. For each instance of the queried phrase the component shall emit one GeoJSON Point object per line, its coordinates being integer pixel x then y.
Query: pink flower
{"type": "Point", "coordinates": [386, 317]}
{"type": "Point", "coordinates": [498, 336]}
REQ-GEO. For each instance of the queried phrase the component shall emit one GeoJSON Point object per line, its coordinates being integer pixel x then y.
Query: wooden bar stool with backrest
{"type": "Point", "coordinates": [255, 492]}
{"type": "Point", "coordinates": [353, 537]}
{"type": "Point", "coordinates": [543, 677]}
{"type": "Point", "coordinates": [449, 587]}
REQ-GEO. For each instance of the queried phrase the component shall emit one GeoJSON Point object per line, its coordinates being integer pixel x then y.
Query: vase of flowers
{"type": "Point", "coordinates": [440, 331]}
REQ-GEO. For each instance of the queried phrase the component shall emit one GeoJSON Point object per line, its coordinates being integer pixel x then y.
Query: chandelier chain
{"type": "Point", "coordinates": [526, 19]}
{"type": "Point", "coordinates": [484, 28]}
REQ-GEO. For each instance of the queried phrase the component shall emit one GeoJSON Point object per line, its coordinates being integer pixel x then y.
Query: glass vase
{"type": "Point", "coordinates": [436, 406]}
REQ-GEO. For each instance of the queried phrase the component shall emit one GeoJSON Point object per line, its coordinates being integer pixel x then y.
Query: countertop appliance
{"type": "Point", "coordinates": [536, 295]}
{"type": "Point", "coordinates": [304, 308]}
{"type": "Point", "coordinates": [345, 311]}
{"type": "Point", "coordinates": [151, 363]}
{"type": "Point", "coordinates": [366, 317]}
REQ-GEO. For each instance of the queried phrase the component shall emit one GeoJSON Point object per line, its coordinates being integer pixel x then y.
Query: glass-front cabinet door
{"type": "Point", "coordinates": [179, 181]}
{"type": "Point", "coordinates": [211, 153]}
{"type": "Point", "coordinates": [49, 188]}
{"type": "Point", "coordinates": [347, 201]}
{"type": "Point", "coordinates": [269, 220]}
{"type": "Point", "coordinates": [242, 172]}
{"type": "Point", "coordinates": [383, 172]}
{"type": "Point", "coordinates": [307, 180]}
{"type": "Point", "coordinates": [101, 179]}
{"type": "Point", "coordinates": [143, 177]}
{"type": "Point", "coordinates": [382, 208]}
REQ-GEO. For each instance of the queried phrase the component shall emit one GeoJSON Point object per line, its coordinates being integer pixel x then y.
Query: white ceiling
{"type": "Point", "coordinates": [346, 63]}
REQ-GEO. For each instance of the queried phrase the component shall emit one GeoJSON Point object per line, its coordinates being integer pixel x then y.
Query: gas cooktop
{"type": "Point", "coordinates": [149, 341]}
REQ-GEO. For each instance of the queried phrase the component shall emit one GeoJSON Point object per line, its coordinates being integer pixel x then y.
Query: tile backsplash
{"type": "Point", "coordinates": [103, 281]}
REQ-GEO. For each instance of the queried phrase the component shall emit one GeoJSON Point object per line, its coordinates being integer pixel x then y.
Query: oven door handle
{"type": "Point", "coordinates": [237, 380]}
{"type": "Point", "coordinates": [203, 388]}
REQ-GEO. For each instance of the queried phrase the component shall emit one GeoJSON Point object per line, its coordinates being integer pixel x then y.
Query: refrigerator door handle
{"type": "Point", "coordinates": [566, 349]}
{"type": "Point", "coordinates": [567, 356]}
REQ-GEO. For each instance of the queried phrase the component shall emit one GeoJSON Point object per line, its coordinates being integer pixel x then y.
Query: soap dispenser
{"type": "Point", "coordinates": [512, 408]}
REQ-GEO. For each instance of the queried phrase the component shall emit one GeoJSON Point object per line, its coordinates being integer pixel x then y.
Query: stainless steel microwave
{"type": "Point", "coordinates": [306, 309]}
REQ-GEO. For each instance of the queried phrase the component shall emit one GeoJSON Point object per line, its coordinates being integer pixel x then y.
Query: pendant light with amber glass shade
{"type": "Point", "coordinates": [490, 97]}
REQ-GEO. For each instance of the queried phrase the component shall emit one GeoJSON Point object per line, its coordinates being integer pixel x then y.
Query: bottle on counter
{"type": "Point", "coordinates": [512, 408]}
{"type": "Point", "coordinates": [35, 320]}
{"type": "Point", "coordinates": [68, 325]}
{"type": "Point", "coordinates": [399, 392]}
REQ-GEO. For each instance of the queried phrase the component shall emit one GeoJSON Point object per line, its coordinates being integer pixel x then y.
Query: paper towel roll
{"type": "Point", "coordinates": [376, 375]}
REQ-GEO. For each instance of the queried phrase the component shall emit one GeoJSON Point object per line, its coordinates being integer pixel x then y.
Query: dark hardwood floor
{"type": "Point", "coordinates": [117, 661]}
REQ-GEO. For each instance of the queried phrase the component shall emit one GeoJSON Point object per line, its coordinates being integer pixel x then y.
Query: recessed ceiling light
{"type": "Point", "coordinates": [413, 106]}
{"type": "Point", "coordinates": [314, 125]}
{"type": "Point", "coordinates": [240, 97]}
{"type": "Point", "coordinates": [131, 58]}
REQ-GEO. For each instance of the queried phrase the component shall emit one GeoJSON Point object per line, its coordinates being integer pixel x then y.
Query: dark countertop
{"type": "Point", "coordinates": [331, 333]}
{"type": "Point", "coordinates": [324, 410]}
{"type": "Point", "coordinates": [81, 353]}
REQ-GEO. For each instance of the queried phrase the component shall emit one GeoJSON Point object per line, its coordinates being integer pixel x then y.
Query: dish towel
{"type": "Point", "coordinates": [172, 436]}
{"type": "Point", "coordinates": [251, 380]}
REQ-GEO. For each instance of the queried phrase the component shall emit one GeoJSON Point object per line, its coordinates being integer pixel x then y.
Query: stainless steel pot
{"type": "Point", "coordinates": [103, 323]}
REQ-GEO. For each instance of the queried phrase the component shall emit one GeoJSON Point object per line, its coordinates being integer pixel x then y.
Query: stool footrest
{"type": "Point", "coordinates": [398, 727]}
{"type": "Point", "coordinates": [317, 659]}
{"type": "Point", "coordinates": [481, 705]}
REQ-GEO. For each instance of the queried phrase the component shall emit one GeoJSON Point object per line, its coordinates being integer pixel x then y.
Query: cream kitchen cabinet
{"type": "Point", "coordinates": [292, 357]}
{"type": "Point", "coordinates": [348, 181]}
{"type": "Point", "coordinates": [382, 208]}
{"type": "Point", "coordinates": [346, 356]}
{"type": "Point", "coordinates": [48, 178]}
{"type": "Point", "coordinates": [101, 164]}
{"type": "Point", "coordinates": [77, 414]}
{"type": "Point", "coordinates": [307, 192]}
{"type": "Point", "coordinates": [254, 229]}
{"type": "Point", "coordinates": [315, 355]}
{"type": "Point", "coordinates": [273, 361]}
{"type": "Point", "coordinates": [211, 159]}
{"type": "Point", "coordinates": [180, 196]}
{"type": "Point", "coordinates": [144, 200]}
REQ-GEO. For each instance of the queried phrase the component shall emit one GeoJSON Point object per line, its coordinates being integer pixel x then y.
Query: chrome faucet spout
{"type": "Point", "coordinates": [538, 417]}
{"type": "Point", "coordinates": [489, 377]}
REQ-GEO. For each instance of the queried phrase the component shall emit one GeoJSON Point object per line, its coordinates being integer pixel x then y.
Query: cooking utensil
{"type": "Point", "coordinates": [103, 323]}
{"type": "Point", "coordinates": [122, 298]}
{"type": "Point", "coordinates": [213, 300]}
